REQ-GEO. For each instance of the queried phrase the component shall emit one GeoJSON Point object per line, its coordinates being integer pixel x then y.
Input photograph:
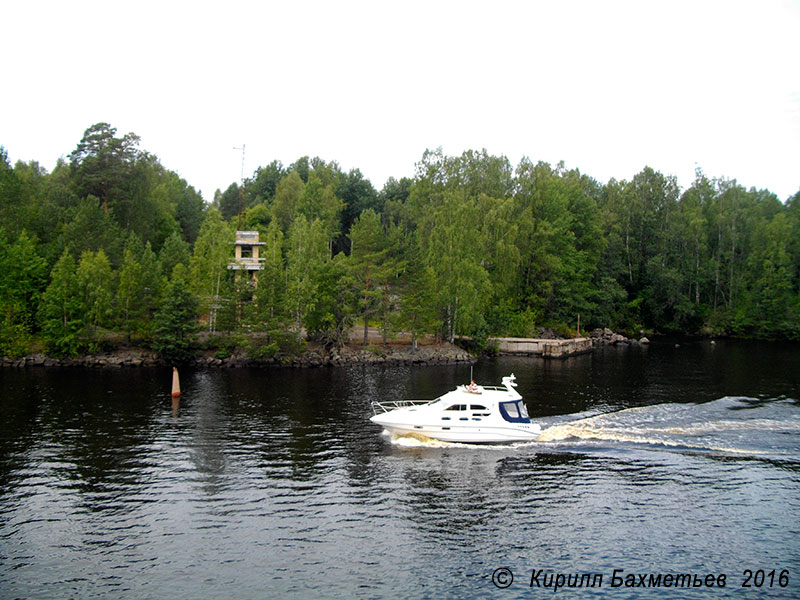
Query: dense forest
{"type": "Point", "coordinates": [112, 246]}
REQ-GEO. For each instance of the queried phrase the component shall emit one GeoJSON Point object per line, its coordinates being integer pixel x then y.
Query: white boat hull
{"type": "Point", "coordinates": [468, 435]}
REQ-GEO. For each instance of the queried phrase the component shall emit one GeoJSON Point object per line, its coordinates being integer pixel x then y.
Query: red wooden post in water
{"type": "Point", "coordinates": [176, 384]}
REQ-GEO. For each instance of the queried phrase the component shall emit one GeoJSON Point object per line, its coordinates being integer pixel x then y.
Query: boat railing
{"type": "Point", "coordinates": [389, 405]}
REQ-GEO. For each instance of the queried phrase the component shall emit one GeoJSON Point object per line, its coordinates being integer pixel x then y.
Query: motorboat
{"type": "Point", "coordinates": [468, 414]}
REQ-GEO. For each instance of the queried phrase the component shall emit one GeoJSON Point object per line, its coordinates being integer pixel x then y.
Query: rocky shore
{"type": "Point", "coordinates": [606, 337]}
{"type": "Point", "coordinates": [311, 357]}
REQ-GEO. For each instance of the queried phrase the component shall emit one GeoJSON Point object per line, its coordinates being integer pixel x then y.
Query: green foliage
{"type": "Point", "coordinates": [357, 195]}
{"type": "Point", "coordinates": [186, 204]}
{"type": "Point", "coordinates": [132, 189]}
{"type": "Point", "coordinates": [61, 314]}
{"type": "Point", "coordinates": [319, 202]}
{"type": "Point", "coordinates": [176, 323]}
{"type": "Point", "coordinates": [77, 303]}
{"type": "Point", "coordinates": [368, 255]}
{"type": "Point", "coordinates": [269, 344]}
{"type": "Point", "coordinates": [287, 196]}
{"type": "Point", "coordinates": [174, 251]}
{"type": "Point", "coordinates": [24, 273]}
{"type": "Point", "coordinates": [330, 315]}
{"type": "Point", "coordinates": [96, 283]}
{"type": "Point", "coordinates": [307, 252]}
{"type": "Point", "coordinates": [417, 310]}
{"type": "Point", "coordinates": [230, 202]}
{"type": "Point", "coordinates": [91, 229]}
{"type": "Point", "coordinates": [259, 348]}
{"type": "Point", "coordinates": [212, 253]}
{"type": "Point", "coordinates": [770, 304]}
{"type": "Point", "coordinates": [260, 190]}
{"type": "Point", "coordinates": [452, 248]}
{"type": "Point", "coordinates": [267, 312]}
{"type": "Point", "coordinates": [103, 164]}
{"type": "Point", "coordinates": [10, 192]}
{"type": "Point", "coordinates": [33, 201]}
{"type": "Point", "coordinates": [503, 320]}
{"type": "Point", "coordinates": [469, 247]}
{"type": "Point", "coordinates": [138, 293]}
{"type": "Point", "coordinates": [258, 218]}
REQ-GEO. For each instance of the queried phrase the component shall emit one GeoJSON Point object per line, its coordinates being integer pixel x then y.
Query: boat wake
{"type": "Point", "coordinates": [730, 425]}
{"type": "Point", "coordinates": [586, 431]}
{"type": "Point", "coordinates": [417, 440]}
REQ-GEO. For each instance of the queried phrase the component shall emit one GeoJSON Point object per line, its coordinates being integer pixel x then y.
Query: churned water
{"type": "Point", "coordinates": [656, 466]}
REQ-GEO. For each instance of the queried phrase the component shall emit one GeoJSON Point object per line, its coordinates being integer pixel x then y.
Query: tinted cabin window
{"type": "Point", "coordinates": [479, 410]}
{"type": "Point", "coordinates": [511, 412]}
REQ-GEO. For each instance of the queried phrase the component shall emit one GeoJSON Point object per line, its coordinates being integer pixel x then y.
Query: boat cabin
{"type": "Point", "coordinates": [513, 411]}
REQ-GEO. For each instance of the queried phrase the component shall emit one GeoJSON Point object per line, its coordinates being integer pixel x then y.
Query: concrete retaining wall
{"type": "Point", "coordinates": [543, 347]}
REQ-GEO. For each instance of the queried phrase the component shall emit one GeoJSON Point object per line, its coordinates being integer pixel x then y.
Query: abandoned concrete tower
{"type": "Point", "coordinates": [246, 256]}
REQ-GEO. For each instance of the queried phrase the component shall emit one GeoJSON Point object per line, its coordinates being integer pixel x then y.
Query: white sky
{"type": "Point", "coordinates": [606, 86]}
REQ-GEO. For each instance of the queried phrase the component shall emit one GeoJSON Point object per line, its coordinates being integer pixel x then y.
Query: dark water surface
{"type": "Point", "coordinates": [274, 484]}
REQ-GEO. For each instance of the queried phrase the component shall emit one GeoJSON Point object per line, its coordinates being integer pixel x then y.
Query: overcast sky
{"type": "Point", "coordinates": [607, 87]}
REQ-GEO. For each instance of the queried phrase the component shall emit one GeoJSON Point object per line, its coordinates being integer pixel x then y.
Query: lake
{"type": "Point", "coordinates": [656, 463]}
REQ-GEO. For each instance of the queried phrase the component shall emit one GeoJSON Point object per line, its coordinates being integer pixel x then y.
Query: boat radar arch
{"type": "Point", "coordinates": [509, 381]}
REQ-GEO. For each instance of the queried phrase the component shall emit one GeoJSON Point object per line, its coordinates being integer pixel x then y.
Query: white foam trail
{"type": "Point", "coordinates": [716, 426]}
{"type": "Point", "coordinates": [586, 429]}
{"type": "Point", "coordinates": [417, 440]}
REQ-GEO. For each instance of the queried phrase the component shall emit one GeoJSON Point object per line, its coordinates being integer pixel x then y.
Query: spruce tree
{"type": "Point", "coordinates": [176, 322]}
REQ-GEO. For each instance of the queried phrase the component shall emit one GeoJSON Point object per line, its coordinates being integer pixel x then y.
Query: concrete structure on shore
{"type": "Point", "coordinates": [547, 348]}
{"type": "Point", "coordinates": [246, 255]}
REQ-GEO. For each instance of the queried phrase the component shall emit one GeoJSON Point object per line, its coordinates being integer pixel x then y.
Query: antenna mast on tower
{"type": "Point", "coordinates": [242, 210]}
{"type": "Point", "coordinates": [241, 174]}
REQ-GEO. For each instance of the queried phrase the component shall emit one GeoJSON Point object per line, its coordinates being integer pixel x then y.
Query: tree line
{"type": "Point", "coordinates": [111, 245]}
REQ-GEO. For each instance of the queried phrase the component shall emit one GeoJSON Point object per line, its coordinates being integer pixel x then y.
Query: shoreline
{"type": "Point", "coordinates": [312, 357]}
{"type": "Point", "coordinates": [396, 352]}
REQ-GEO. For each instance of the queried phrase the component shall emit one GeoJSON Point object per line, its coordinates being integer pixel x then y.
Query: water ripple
{"type": "Point", "coordinates": [275, 484]}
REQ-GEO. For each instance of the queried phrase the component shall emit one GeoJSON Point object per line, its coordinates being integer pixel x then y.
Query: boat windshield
{"type": "Point", "coordinates": [514, 412]}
